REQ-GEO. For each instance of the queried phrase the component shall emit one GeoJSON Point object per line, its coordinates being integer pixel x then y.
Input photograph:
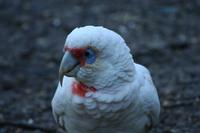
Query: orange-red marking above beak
{"type": "Point", "coordinates": [78, 53]}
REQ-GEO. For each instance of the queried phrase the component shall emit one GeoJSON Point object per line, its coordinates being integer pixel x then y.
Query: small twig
{"type": "Point", "coordinates": [181, 103]}
{"type": "Point", "coordinates": [175, 105]}
{"type": "Point", "coordinates": [27, 126]}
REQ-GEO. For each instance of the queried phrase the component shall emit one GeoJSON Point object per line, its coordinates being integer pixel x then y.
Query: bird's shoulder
{"type": "Point", "coordinates": [148, 94]}
{"type": "Point", "coordinates": [60, 100]}
{"type": "Point", "coordinates": [143, 76]}
{"type": "Point", "coordinates": [62, 92]}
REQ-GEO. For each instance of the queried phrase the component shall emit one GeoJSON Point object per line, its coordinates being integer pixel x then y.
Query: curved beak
{"type": "Point", "coordinates": [67, 66]}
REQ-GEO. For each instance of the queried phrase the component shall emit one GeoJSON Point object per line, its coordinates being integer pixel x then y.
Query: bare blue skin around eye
{"type": "Point", "coordinates": [91, 57]}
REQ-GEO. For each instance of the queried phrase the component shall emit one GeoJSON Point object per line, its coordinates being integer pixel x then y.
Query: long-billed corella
{"type": "Point", "coordinates": [101, 89]}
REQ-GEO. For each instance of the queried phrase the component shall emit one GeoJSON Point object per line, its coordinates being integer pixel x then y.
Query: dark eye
{"type": "Point", "coordinates": [90, 56]}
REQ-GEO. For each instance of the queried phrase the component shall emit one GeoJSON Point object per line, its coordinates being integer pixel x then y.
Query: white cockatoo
{"type": "Point", "coordinates": [101, 89]}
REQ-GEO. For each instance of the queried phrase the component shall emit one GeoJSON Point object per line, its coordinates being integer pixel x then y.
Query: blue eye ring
{"type": "Point", "coordinates": [90, 56]}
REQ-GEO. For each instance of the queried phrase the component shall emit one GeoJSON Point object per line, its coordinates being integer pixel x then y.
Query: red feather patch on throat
{"type": "Point", "coordinates": [81, 89]}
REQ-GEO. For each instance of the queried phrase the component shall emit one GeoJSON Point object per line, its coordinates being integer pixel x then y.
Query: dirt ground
{"type": "Point", "coordinates": [163, 35]}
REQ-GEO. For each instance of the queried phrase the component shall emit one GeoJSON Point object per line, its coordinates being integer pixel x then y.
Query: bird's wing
{"type": "Point", "coordinates": [149, 97]}
{"type": "Point", "coordinates": [60, 102]}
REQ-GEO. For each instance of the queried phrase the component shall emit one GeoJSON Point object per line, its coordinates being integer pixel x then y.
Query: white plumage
{"type": "Point", "coordinates": [125, 100]}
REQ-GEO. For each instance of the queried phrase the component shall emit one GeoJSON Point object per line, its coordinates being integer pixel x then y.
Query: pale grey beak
{"type": "Point", "coordinates": [67, 66]}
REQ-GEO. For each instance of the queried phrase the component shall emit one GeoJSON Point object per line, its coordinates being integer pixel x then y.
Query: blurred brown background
{"type": "Point", "coordinates": [163, 35]}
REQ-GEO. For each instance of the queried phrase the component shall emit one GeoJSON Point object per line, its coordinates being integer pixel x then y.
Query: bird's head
{"type": "Point", "coordinates": [97, 57]}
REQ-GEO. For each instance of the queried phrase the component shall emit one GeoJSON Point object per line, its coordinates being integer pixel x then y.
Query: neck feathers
{"type": "Point", "coordinates": [81, 89]}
